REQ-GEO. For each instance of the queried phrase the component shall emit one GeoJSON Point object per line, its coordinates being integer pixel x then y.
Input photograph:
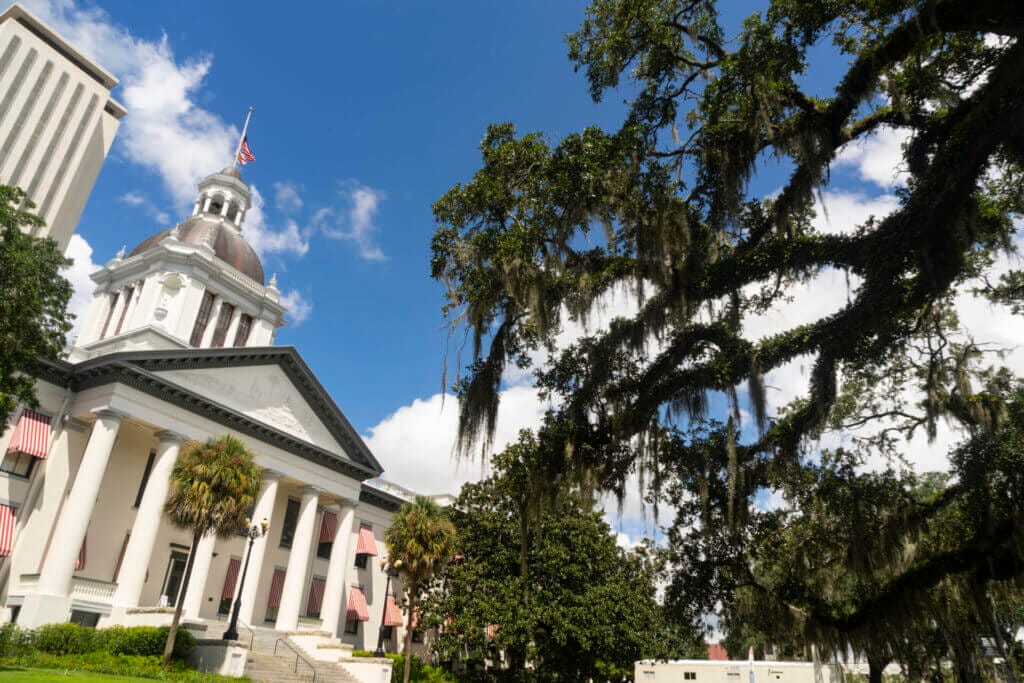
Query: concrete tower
{"type": "Point", "coordinates": [57, 120]}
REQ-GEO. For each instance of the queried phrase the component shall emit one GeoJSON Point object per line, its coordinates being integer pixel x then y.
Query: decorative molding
{"type": "Point", "coordinates": [380, 499]}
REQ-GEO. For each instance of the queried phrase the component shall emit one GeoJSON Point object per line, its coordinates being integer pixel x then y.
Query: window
{"type": "Point", "coordinates": [242, 333]}
{"type": "Point", "coordinates": [175, 573]}
{"type": "Point", "coordinates": [417, 635]}
{"type": "Point", "coordinates": [110, 313]}
{"type": "Point", "coordinates": [323, 550]}
{"type": "Point", "coordinates": [386, 632]}
{"type": "Point", "coordinates": [291, 518]}
{"type": "Point", "coordinates": [145, 478]}
{"type": "Point", "coordinates": [202, 319]}
{"type": "Point", "coordinates": [124, 309]}
{"type": "Point", "coordinates": [88, 619]}
{"type": "Point", "coordinates": [351, 625]}
{"type": "Point", "coordinates": [689, 675]}
{"type": "Point", "coordinates": [15, 611]}
{"type": "Point", "coordinates": [216, 205]}
{"type": "Point", "coordinates": [361, 560]}
{"type": "Point", "coordinates": [17, 463]}
{"type": "Point", "coordinates": [328, 528]}
{"type": "Point", "coordinates": [223, 322]}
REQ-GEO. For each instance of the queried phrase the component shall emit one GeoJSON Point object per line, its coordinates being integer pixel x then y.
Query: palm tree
{"type": "Point", "coordinates": [420, 541]}
{"type": "Point", "coordinates": [213, 485]}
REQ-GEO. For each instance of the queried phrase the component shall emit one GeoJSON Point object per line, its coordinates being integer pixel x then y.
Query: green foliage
{"type": "Point", "coordinates": [420, 541]}
{"type": "Point", "coordinates": [213, 486]}
{"type": "Point", "coordinates": [147, 641]}
{"type": "Point", "coordinates": [558, 595]}
{"type": "Point", "coordinates": [418, 671]}
{"type": "Point", "coordinates": [64, 639]}
{"type": "Point", "coordinates": [664, 208]}
{"type": "Point", "coordinates": [61, 639]}
{"type": "Point", "coordinates": [33, 302]}
{"type": "Point", "coordinates": [116, 665]}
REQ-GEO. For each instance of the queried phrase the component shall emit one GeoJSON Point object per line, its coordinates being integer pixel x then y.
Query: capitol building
{"type": "Point", "coordinates": [178, 346]}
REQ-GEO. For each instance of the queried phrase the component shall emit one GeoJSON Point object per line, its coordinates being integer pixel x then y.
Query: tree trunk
{"type": "Point", "coordinates": [180, 602]}
{"type": "Point", "coordinates": [875, 668]}
{"type": "Point", "coordinates": [407, 649]}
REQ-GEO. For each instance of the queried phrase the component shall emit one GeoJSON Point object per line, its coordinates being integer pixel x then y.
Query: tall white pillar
{"type": "Point", "coordinates": [55, 578]}
{"type": "Point", "coordinates": [200, 572]}
{"type": "Point", "coordinates": [137, 554]}
{"type": "Point", "coordinates": [264, 510]}
{"type": "Point", "coordinates": [211, 322]}
{"type": "Point", "coordinates": [298, 561]}
{"type": "Point", "coordinates": [335, 590]}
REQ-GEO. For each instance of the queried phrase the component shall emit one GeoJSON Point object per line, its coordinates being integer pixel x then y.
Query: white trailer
{"type": "Point", "coordinates": [716, 671]}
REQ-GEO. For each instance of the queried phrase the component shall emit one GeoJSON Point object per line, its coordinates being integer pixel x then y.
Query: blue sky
{"type": "Point", "coordinates": [365, 113]}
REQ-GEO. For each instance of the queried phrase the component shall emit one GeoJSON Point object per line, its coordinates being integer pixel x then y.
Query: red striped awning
{"type": "Point", "coordinates": [492, 630]}
{"type": "Point", "coordinates": [120, 556]}
{"type": "Point", "coordinates": [328, 527]}
{"type": "Point", "coordinates": [80, 562]}
{"type": "Point", "coordinates": [392, 615]}
{"type": "Point", "coordinates": [7, 519]}
{"type": "Point", "coordinates": [357, 609]}
{"type": "Point", "coordinates": [276, 588]}
{"type": "Point", "coordinates": [366, 544]}
{"type": "Point", "coordinates": [316, 596]}
{"type": "Point", "coordinates": [228, 591]}
{"type": "Point", "coordinates": [31, 434]}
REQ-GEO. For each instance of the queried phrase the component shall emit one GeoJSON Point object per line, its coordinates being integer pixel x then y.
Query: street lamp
{"type": "Point", "coordinates": [391, 571]}
{"type": "Point", "coordinates": [253, 531]}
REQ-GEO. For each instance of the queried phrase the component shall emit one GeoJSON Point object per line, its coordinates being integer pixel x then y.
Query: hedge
{"type": "Point", "coordinates": [71, 639]}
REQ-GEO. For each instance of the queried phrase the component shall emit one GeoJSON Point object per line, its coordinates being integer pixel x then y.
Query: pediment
{"type": "Point", "coordinates": [264, 393]}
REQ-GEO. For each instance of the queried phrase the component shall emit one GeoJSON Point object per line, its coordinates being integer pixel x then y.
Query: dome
{"type": "Point", "coordinates": [228, 244]}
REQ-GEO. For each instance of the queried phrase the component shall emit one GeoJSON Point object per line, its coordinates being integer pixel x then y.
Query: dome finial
{"type": "Point", "coordinates": [122, 252]}
{"type": "Point", "coordinates": [273, 281]}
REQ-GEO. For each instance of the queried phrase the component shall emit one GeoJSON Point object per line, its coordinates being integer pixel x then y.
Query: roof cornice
{"type": "Point", "coordinates": [137, 369]}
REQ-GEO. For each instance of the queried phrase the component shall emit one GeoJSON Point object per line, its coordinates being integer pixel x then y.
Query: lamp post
{"type": "Point", "coordinates": [391, 571]}
{"type": "Point", "coordinates": [253, 532]}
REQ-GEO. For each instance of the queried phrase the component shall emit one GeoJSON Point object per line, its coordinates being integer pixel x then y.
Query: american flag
{"type": "Point", "coordinates": [245, 154]}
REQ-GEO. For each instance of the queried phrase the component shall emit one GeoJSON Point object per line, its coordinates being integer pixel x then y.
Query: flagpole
{"type": "Point", "coordinates": [245, 128]}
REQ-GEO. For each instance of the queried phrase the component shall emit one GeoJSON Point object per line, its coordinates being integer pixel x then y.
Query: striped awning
{"type": "Point", "coordinates": [7, 520]}
{"type": "Point", "coordinates": [276, 588]}
{"type": "Point", "coordinates": [120, 556]}
{"type": "Point", "coordinates": [392, 615]}
{"type": "Point", "coordinates": [80, 562]}
{"type": "Point", "coordinates": [357, 609]}
{"type": "Point", "coordinates": [328, 527]}
{"type": "Point", "coordinates": [31, 434]}
{"type": "Point", "coordinates": [366, 544]}
{"type": "Point", "coordinates": [492, 630]}
{"type": "Point", "coordinates": [228, 591]}
{"type": "Point", "coordinates": [316, 596]}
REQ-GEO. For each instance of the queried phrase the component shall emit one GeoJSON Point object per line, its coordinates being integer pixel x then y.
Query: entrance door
{"type": "Point", "coordinates": [175, 574]}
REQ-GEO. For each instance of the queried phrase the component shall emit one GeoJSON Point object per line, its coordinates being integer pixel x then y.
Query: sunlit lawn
{"type": "Point", "coordinates": [10, 673]}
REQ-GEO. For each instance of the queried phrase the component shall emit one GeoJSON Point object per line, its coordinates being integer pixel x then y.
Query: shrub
{"type": "Point", "coordinates": [117, 665]}
{"type": "Point", "coordinates": [14, 640]}
{"type": "Point", "coordinates": [418, 671]}
{"type": "Point", "coordinates": [145, 641]}
{"type": "Point", "coordinates": [65, 639]}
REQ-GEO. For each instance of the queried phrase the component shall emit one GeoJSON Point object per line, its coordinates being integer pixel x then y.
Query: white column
{"type": "Point", "coordinates": [206, 203]}
{"type": "Point", "coordinates": [147, 522]}
{"type": "Point", "coordinates": [225, 207]}
{"type": "Point", "coordinates": [264, 510]}
{"type": "Point", "coordinates": [229, 338]}
{"type": "Point", "coordinates": [200, 572]}
{"type": "Point", "coordinates": [55, 578]}
{"type": "Point", "coordinates": [298, 561]}
{"type": "Point", "coordinates": [211, 323]}
{"type": "Point", "coordinates": [335, 590]}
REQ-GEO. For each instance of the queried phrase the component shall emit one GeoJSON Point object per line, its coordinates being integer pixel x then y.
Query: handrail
{"type": "Point", "coordinates": [252, 634]}
{"type": "Point", "coordinates": [297, 657]}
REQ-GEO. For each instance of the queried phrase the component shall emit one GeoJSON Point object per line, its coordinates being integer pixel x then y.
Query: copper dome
{"type": "Point", "coordinates": [228, 244]}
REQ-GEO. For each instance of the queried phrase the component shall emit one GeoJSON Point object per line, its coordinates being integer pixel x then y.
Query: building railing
{"type": "Point", "coordinates": [282, 641]}
{"type": "Point", "coordinates": [92, 590]}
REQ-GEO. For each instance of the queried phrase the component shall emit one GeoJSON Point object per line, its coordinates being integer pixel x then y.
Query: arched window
{"type": "Point", "coordinates": [216, 205]}
{"type": "Point", "coordinates": [232, 211]}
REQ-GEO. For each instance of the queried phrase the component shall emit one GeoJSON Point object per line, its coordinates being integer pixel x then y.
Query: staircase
{"type": "Point", "coordinates": [263, 666]}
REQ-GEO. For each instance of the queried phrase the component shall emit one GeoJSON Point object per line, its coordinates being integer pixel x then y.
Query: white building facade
{"type": "Point", "coordinates": [178, 347]}
{"type": "Point", "coordinates": [57, 120]}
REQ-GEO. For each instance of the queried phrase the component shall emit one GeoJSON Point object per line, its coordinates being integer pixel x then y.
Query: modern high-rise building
{"type": "Point", "coordinates": [57, 120]}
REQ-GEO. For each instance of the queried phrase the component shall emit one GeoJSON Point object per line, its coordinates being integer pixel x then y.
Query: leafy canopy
{"type": "Point", "coordinates": [663, 208]}
{"type": "Point", "coordinates": [33, 302]}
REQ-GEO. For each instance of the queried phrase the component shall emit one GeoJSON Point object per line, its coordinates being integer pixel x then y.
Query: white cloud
{"type": "Point", "coordinates": [299, 307]}
{"type": "Point", "coordinates": [78, 275]}
{"type": "Point", "coordinates": [842, 212]}
{"type": "Point", "coordinates": [878, 158]}
{"type": "Point", "coordinates": [143, 202]}
{"type": "Point", "coordinates": [286, 197]}
{"type": "Point", "coordinates": [355, 221]}
{"type": "Point", "coordinates": [415, 444]}
{"type": "Point", "coordinates": [266, 241]}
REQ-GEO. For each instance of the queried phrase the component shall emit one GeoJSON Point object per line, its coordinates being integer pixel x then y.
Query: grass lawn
{"type": "Point", "coordinates": [10, 673]}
